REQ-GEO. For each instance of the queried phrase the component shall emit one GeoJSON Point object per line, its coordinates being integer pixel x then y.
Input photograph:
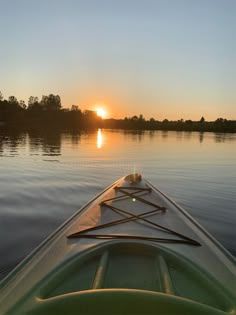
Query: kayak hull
{"type": "Point", "coordinates": [130, 250]}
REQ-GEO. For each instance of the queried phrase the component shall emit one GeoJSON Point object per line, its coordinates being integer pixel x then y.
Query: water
{"type": "Point", "coordinates": [45, 177]}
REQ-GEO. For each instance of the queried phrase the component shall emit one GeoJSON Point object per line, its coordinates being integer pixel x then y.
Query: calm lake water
{"type": "Point", "coordinates": [45, 177]}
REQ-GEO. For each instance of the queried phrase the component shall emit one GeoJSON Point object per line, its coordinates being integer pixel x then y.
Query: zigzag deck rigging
{"type": "Point", "coordinates": [133, 217]}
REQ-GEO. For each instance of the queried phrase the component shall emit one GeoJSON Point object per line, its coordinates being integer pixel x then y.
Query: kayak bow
{"type": "Point", "coordinates": [131, 250]}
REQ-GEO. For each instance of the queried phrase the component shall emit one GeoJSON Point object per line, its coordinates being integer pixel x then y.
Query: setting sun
{"type": "Point", "coordinates": [101, 112]}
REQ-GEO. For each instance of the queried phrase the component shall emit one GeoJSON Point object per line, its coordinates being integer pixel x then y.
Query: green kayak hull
{"type": "Point", "coordinates": [130, 250]}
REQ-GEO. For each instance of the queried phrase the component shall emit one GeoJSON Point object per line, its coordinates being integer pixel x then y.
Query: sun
{"type": "Point", "coordinates": [101, 112]}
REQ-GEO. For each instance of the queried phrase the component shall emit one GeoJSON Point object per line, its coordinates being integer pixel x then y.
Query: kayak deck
{"type": "Point", "coordinates": [129, 251]}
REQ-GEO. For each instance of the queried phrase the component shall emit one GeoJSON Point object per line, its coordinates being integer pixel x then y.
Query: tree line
{"type": "Point", "coordinates": [49, 113]}
{"type": "Point", "coordinates": [140, 123]}
{"type": "Point", "coordinates": [45, 113]}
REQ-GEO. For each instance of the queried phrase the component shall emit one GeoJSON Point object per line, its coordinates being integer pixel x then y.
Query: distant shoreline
{"type": "Point", "coordinates": [220, 125]}
{"type": "Point", "coordinates": [60, 125]}
{"type": "Point", "coordinates": [48, 114]}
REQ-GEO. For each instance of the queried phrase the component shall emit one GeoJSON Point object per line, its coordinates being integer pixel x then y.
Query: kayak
{"type": "Point", "coordinates": [130, 250]}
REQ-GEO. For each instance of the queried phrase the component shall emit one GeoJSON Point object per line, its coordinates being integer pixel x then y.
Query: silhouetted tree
{"type": "Point", "coordinates": [1, 96]}
{"type": "Point", "coordinates": [74, 108]}
{"type": "Point", "coordinates": [51, 102]}
{"type": "Point", "coordinates": [22, 104]}
{"type": "Point", "coordinates": [13, 105]}
{"type": "Point", "coordinates": [141, 118]}
{"type": "Point", "coordinates": [91, 119]}
{"type": "Point", "coordinates": [202, 120]}
{"type": "Point", "coordinates": [33, 103]}
{"type": "Point", "coordinates": [89, 113]}
{"type": "Point", "coordinates": [12, 100]}
{"type": "Point", "coordinates": [220, 120]}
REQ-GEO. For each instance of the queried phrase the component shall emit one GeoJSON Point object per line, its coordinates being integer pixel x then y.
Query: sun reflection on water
{"type": "Point", "coordinates": [99, 139]}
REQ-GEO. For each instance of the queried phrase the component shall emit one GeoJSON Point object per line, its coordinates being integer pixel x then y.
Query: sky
{"type": "Point", "coordinates": [160, 58]}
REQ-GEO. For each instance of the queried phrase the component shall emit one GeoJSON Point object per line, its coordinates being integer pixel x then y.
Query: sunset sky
{"type": "Point", "coordinates": [160, 58]}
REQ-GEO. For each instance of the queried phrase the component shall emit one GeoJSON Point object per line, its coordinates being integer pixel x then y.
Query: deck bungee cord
{"type": "Point", "coordinates": [131, 217]}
